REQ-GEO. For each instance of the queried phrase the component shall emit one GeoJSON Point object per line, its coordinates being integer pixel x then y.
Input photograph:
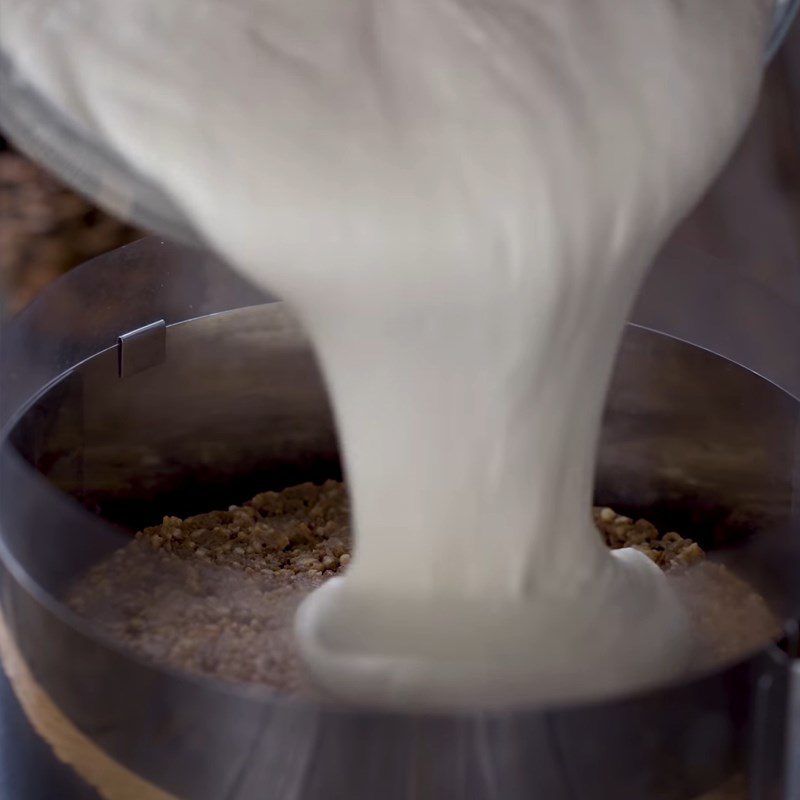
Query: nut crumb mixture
{"type": "Point", "coordinates": [304, 529]}
{"type": "Point", "coordinates": [215, 594]}
{"type": "Point", "coordinates": [667, 550]}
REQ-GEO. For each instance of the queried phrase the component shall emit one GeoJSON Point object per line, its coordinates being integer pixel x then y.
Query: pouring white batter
{"type": "Point", "coordinates": [459, 197]}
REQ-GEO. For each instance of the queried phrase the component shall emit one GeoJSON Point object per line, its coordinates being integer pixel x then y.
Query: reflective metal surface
{"type": "Point", "coordinates": [720, 306]}
{"type": "Point", "coordinates": [142, 348]}
{"type": "Point", "coordinates": [237, 406]}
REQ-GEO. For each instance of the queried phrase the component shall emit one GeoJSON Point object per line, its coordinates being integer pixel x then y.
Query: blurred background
{"type": "Point", "coordinates": [750, 219]}
{"type": "Point", "coordinates": [45, 229]}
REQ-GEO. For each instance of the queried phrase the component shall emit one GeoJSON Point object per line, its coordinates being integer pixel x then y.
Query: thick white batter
{"type": "Point", "coordinates": [459, 198]}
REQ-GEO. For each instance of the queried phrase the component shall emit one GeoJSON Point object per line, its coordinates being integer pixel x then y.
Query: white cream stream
{"type": "Point", "coordinates": [459, 197]}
